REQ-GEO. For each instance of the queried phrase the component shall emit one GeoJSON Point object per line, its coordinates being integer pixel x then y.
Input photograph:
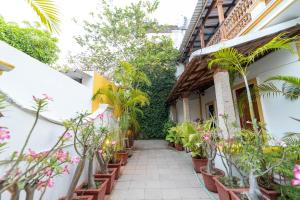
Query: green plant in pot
{"type": "Point", "coordinates": [176, 136]}
{"type": "Point", "coordinates": [252, 159]}
{"type": "Point", "coordinates": [194, 142]}
{"type": "Point", "coordinates": [210, 136]}
{"type": "Point", "coordinates": [229, 152]}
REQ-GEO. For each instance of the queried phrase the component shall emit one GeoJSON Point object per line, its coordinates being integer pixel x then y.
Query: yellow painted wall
{"type": "Point", "coordinates": [100, 82]}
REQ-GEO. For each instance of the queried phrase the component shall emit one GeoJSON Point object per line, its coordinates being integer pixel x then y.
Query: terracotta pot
{"type": "Point", "coordinates": [85, 197]}
{"type": "Point", "coordinates": [209, 182]}
{"type": "Point", "coordinates": [171, 144]}
{"type": "Point", "coordinates": [130, 151]}
{"type": "Point", "coordinates": [116, 166]}
{"type": "Point", "coordinates": [271, 194]}
{"type": "Point", "coordinates": [110, 177]}
{"type": "Point", "coordinates": [179, 147]}
{"type": "Point", "coordinates": [98, 194]}
{"type": "Point", "coordinates": [234, 196]}
{"type": "Point", "coordinates": [131, 141]}
{"type": "Point", "coordinates": [122, 155]}
{"type": "Point", "coordinates": [224, 192]}
{"type": "Point", "coordinates": [198, 163]}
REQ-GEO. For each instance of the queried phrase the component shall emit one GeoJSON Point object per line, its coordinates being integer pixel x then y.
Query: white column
{"type": "Point", "coordinates": [173, 112]}
{"type": "Point", "coordinates": [224, 99]}
{"type": "Point", "coordinates": [186, 108]}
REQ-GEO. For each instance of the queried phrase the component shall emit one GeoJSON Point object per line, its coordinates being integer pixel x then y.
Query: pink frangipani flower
{"type": "Point", "coordinates": [66, 169]}
{"type": "Point", "coordinates": [75, 160]}
{"type": "Point", "coordinates": [296, 172]}
{"type": "Point", "coordinates": [113, 142]}
{"type": "Point", "coordinates": [50, 183]}
{"type": "Point", "coordinates": [61, 155]}
{"type": "Point", "coordinates": [47, 97]}
{"type": "Point", "coordinates": [67, 136]}
{"type": "Point", "coordinates": [4, 134]}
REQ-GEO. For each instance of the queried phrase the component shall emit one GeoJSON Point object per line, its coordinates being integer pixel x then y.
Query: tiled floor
{"type": "Point", "coordinates": [157, 172]}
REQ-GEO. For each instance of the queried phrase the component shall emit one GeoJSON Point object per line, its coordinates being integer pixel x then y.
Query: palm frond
{"type": "Point", "coordinates": [268, 89]}
{"type": "Point", "coordinates": [227, 58]}
{"type": "Point", "coordinates": [279, 42]}
{"type": "Point", "coordinates": [47, 12]}
{"type": "Point", "coordinates": [288, 79]}
{"type": "Point", "coordinates": [291, 138]}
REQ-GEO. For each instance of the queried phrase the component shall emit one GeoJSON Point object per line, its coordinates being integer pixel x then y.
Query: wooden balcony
{"type": "Point", "coordinates": [235, 22]}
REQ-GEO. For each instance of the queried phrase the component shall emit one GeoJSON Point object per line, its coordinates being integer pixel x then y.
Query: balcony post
{"type": "Point", "coordinates": [219, 4]}
{"type": "Point", "coordinates": [186, 108]}
{"type": "Point", "coordinates": [173, 110]}
{"type": "Point", "coordinates": [224, 100]}
{"type": "Point", "coordinates": [201, 35]}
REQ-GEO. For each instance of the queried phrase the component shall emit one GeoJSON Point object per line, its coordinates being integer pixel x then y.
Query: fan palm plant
{"type": "Point", "coordinates": [232, 60]}
{"type": "Point", "coordinates": [47, 12]}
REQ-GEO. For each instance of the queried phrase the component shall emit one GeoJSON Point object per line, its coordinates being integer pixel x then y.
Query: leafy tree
{"type": "Point", "coordinates": [37, 43]}
{"type": "Point", "coordinates": [157, 59]}
{"type": "Point", "coordinates": [114, 35]}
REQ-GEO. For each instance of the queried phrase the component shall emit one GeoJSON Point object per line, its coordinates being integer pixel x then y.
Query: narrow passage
{"type": "Point", "coordinates": [158, 172]}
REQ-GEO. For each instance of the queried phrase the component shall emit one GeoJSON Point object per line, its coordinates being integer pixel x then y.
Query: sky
{"type": "Point", "coordinates": [169, 12]}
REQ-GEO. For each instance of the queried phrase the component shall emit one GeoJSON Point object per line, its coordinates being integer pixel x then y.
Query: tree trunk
{"type": "Point", "coordinates": [14, 191]}
{"type": "Point", "coordinates": [103, 165]}
{"type": "Point", "coordinates": [76, 178]}
{"type": "Point", "coordinates": [29, 192]}
{"type": "Point", "coordinates": [91, 181]}
{"type": "Point", "coordinates": [254, 192]}
{"type": "Point", "coordinates": [250, 103]}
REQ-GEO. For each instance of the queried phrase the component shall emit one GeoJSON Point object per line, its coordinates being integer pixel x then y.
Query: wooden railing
{"type": "Point", "coordinates": [238, 18]}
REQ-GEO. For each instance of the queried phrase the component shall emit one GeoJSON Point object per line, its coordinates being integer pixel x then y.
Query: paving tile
{"type": "Point", "coordinates": [156, 172]}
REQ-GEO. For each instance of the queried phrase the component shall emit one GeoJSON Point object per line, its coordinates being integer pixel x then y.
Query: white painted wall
{"type": "Point", "coordinates": [31, 77]}
{"type": "Point", "coordinates": [179, 108]}
{"type": "Point", "coordinates": [208, 97]}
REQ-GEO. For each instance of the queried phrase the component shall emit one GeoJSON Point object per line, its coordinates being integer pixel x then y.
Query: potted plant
{"type": "Point", "coordinates": [87, 141]}
{"type": "Point", "coordinates": [107, 154]}
{"type": "Point", "coordinates": [170, 137]}
{"type": "Point", "coordinates": [210, 138]}
{"type": "Point", "coordinates": [193, 141]}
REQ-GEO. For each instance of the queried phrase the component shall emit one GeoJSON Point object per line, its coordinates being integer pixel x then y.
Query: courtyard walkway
{"type": "Point", "coordinates": [158, 172]}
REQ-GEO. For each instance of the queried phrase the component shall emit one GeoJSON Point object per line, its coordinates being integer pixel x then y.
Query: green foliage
{"type": "Point", "coordinates": [37, 43]}
{"type": "Point", "coordinates": [169, 124]}
{"type": "Point", "coordinates": [114, 35]}
{"type": "Point", "coordinates": [290, 88]}
{"type": "Point", "coordinates": [157, 59]}
{"type": "Point", "coordinates": [289, 193]}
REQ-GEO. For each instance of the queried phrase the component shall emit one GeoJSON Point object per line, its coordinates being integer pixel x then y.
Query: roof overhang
{"type": "Point", "coordinates": [197, 76]}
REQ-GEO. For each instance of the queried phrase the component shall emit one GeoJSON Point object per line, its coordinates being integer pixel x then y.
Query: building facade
{"type": "Point", "coordinates": [245, 25]}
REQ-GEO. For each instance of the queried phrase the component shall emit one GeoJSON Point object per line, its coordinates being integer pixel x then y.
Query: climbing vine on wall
{"type": "Point", "coordinates": [158, 61]}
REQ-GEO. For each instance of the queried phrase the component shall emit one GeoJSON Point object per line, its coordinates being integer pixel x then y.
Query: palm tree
{"type": "Point", "coordinates": [230, 59]}
{"type": "Point", "coordinates": [125, 99]}
{"type": "Point", "coordinates": [47, 12]}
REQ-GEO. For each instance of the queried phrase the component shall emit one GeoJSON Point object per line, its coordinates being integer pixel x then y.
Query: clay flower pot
{"type": "Point", "coordinates": [130, 141]}
{"type": "Point", "coordinates": [209, 182]}
{"type": "Point", "coordinates": [223, 191]}
{"type": "Point", "coordinates": [234, 195]}
{"type": "Point", "coordinates": [110, 177]}
{"type": "Point", "coordinates": [98, 193]}
{"type": "Point", "coordinates": [85, 197]}
{"type": "Point", "coordinates": [116, 166]}
{"type": "Point", "coordinates": [271, 194]}
{"type": "Point", "coordinates": [179, 147]}
{"type": "Point", "coordinates": [171, 144]}
{"type": "Point", "coordinates": [198, 163]}
{"type": "Point", "coordinates": [122, 155]}
{"type": "Point", "coordinates": [130, 151]}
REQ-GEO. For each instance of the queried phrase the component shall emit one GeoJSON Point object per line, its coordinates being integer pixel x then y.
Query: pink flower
{"type": "Point", "coordinates": [4, 134]}
{"type": "Point", "coordinates": [32, 153]}
{"type": "Point", "coordinates": [61, 155]}
{"type": "Point", "coordinates": [47, 97]}
{"type": "Point", "coordinates": [67, 136]}
{"type": "Point", "coordinates": [100, 151]}
{"type": "Point", "coordinates": [48, 171]}
{"type": "Point", "coordinates": [75, 159]}
{"type": "Point", "coordinates": [66, 169]}
{"type": "Point", "coordinates": [206, 137]}
{"type": "Point", "coordinates": [50, 183]}
{"type": "Point", "coordinates": [113, 142]}
{"type": "Point", "coordinates": [100, 116]}
{"type": "Point", "coordinates": [295, 182]}
{"type": "Point", "coordinates": [296, 172]}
